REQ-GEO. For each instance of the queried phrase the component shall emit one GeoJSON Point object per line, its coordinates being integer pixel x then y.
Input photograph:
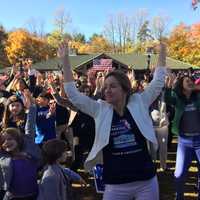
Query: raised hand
{"type": "Point", "coordinates": [162, 55]}
{"type": "Point", "coordinates": [29, 63]}
{"type": "Point", "coordinates": [52, 108]}
{"type": "Point", "coordinates": [50, 79]}
{"type": "Point", "coordinates": [131, 75]}
{"type": "Point", "coordinates": [170, 79]}
{"type": "Point", "coordinates": [52, 86]}
{"type": "Point", "coordinates": [63, 50]}
{"type": "Point", "coordinates": [99, 82]}
{"type": "Point", "coordinates": [28, 100]}
{"type": "Point", "coordinates": [63, 53]}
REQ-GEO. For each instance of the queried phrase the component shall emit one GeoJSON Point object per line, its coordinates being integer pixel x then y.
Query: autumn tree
{"type": "Point", "coordinates": [41, 50]}
{"type": "Point", "coordinates": [99, 44]}
{"type": "Point", "coordinates": [194, 41]}
{"type": "Point", "coordinates": [96, 44]}
{"type": "Point", "coordinates": [55, 38]}
{"type": "Point", "coordinates": [179, 46]}
{"type": "Point", "coordinates": [184, 43]}
{"type": "Point", "coordinates": [21, 44]}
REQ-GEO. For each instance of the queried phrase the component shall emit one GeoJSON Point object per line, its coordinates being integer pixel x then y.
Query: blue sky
{"type": "Point", "coordinates": [89, 16]}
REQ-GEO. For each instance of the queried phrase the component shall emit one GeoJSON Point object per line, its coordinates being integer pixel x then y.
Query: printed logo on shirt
{"type": "Point", "coordinates": [42, 113]}
{"type": "Point", "coordinates": [190, 107]}
{"type": "Point", "coordinates": [123, 139]}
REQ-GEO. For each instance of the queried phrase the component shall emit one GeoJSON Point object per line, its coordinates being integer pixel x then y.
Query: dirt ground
{"type": "Point", "coordinates": [166, 185]}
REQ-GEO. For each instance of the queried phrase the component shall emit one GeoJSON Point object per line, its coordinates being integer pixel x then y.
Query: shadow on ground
{"type": "Point", "coordinates": [167, 191]}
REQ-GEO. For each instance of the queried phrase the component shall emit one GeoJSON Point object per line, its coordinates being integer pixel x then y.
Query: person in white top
{"type": "Point", "coordinates": [122, 126]}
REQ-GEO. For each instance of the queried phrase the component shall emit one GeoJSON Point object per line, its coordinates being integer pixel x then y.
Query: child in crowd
{"type": "Point", "coordinates": [19, 160]}
{"type": "Point", "coordinates": [45, 119]}
{"type": "Point", "coordinates": [55, 183]}
{"type": "Point", "coordinates": [14, 114]}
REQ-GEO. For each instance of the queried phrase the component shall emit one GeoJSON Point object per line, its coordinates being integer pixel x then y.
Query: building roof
{"type": "Point", "coordinates": [132, 60]}
{"type": "Point", "coordinates": [139, 61]}
{"type": "Point", "coordinates": [55, 63]}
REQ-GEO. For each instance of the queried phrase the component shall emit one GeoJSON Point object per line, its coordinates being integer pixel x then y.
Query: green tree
{"type": "Point", "coordinates": [55, 38]}
{"type": "Point", "coordinates": [3, 37]}
{"type": "Point", "coordinates": [94, 35]}
{"type": "Point", "coordinates": [144, 33]}
{"type": "Point", "coordinates": [79, 37]}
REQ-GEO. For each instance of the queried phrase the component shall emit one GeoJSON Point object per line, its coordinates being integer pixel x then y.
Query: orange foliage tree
{"type": "Point", "coordinates": [184, 43]}
{"type": "Point", "coordinates": [179, 45]}
{"type": "Point", "coordinates": [97, 44]}
{"type": "Point", "coordinates": [21, 44]}
{"type": "Point", "coordinates": [194, 39]}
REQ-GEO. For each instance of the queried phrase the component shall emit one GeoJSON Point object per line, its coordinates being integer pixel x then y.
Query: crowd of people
{"type": "Point", "coordinates": [54, 123]}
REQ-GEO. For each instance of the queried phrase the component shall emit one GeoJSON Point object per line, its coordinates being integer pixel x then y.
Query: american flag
{"type": "Point", "coordinates": [194, 4]}
{"type": "Point", "coordinates": [102, 64]}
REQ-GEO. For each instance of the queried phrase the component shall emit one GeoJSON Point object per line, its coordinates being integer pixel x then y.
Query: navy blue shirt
{"type": "Point", "coordinates": [45, 126]}
{"type": "Point", "coordinates": [126, 158]}
{"type": "Point", "coordinates": [84, 128]}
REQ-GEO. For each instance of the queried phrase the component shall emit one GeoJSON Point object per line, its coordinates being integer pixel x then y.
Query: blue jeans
{"type": "Point", "coordinates": [188, 149]}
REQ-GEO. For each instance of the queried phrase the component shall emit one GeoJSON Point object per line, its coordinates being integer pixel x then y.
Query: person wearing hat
{"type": "Point", "coordinates": [14, 114]}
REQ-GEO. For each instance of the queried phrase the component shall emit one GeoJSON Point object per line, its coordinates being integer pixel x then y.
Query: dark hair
{"type": "Point", "coordinates": [7, 114]}
{"type": "Point", "coordinates": [83, 80]}
{"type": "Point", "coordinates": [16, 134]}
{"type": "Point", "coordinates": [82, 88]}
{"type": "Point", "coordinates": [13, 99]}
{"type": "Point", "coordinates": [45, 95]}
{"type": "Point", "coordinates": [123, 80]}
{"type": "Point", "coordinates": [53, 149]}
{"type": "Point", "coordinates": [179, 85]}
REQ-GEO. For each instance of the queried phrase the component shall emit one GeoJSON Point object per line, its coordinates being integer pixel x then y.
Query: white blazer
{"type": "Point", "coordinates": [102, 112]}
